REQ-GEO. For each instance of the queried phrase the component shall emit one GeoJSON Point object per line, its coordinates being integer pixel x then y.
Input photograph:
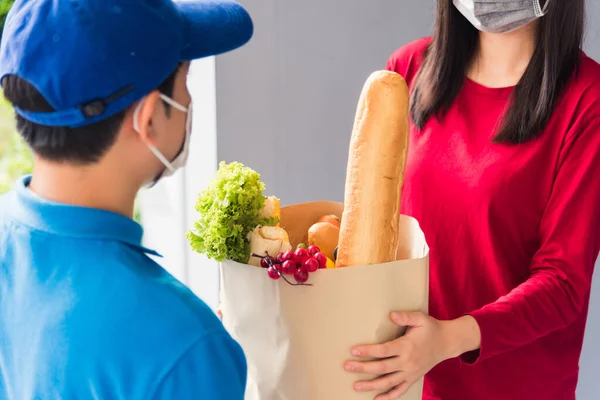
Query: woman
{"type": "Point", "coordinates": [502, 175]}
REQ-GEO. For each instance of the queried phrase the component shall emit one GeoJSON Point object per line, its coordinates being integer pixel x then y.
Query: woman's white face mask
{"type": "Point", "coordinates": [500, 16]}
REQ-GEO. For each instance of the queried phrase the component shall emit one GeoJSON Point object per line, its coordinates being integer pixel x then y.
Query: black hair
{"type": "Point", "coordinates": [85, 145]}
{"type": "Point", "coordinates": [555, 60]}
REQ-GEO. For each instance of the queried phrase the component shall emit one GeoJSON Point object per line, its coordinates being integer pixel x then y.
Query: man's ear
{"type": "Point", "coordinates": [144, 118]}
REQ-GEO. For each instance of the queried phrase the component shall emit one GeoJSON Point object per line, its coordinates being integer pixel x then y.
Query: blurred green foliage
{"type": "Point", "coordinates": [4, 7]}
{"type": "Point", "coordinates": [15, 157]}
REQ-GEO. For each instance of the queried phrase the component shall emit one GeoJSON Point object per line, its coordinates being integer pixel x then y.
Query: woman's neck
{"type": "Point", "coordinates": [501, 59]}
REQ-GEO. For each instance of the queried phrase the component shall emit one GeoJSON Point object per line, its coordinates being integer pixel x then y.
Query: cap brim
{"type": "Point", "coordinates": [213, 27]}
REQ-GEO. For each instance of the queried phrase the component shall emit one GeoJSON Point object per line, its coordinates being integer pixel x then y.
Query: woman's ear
{"type": "Point", "coordinates": [143, 118]}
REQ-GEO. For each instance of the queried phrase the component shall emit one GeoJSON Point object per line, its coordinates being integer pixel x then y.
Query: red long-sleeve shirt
{"type": "Point", "coordinates": [514, 232]}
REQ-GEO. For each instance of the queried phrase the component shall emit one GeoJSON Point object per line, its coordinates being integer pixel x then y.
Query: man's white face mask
{"type": "Point", "coordinates": [500, 16]}
{"type": "Point", "coordinates": [181, 158]}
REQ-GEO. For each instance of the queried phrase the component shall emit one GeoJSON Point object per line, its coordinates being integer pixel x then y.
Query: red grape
{"type": "Point", "coordinates": [312, 250]}
{"type": "Point", "coordinates": [301, 255]}
{"type": "Point", "coordinates": [273, 273]}
{"type": "Point", "coordinates": [279, 258]}
{"type": "Point", "coordinates": [322, 259]}
{"type": "Point", "coordinates": [311, 265]}
{"type": "Point", "coordinates": [288, 256]}
{"type": "Point", "coordinates": [288, 267]}
{"type": "Point", "coordinates": [265, 262]}
{"type": "Point", "coordinates": [301, 275]}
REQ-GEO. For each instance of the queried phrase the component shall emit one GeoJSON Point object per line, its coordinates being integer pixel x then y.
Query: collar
{"type": "Point", "coordinates": [73, 221]}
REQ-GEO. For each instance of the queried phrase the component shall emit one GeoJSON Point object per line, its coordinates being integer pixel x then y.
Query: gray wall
{"type": "Point", "coordinates": [285, 102]}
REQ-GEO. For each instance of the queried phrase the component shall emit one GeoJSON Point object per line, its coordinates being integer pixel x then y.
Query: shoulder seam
{"type": "Point", "coordinates": [588, 122]}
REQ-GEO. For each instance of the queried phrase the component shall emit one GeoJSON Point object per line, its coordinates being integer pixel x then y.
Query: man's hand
{"type": "Point", "coordinates": [402, 362]}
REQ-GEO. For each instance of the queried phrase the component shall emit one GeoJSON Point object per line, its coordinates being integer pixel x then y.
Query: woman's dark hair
{"type": "Point", "coordinates": [85, 145]}
{"type": "Point", "coordinates": [555, 60]}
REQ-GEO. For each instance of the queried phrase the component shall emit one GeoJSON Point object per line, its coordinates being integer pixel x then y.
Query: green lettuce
{"type": "Point", "coordinates": [230, 207]}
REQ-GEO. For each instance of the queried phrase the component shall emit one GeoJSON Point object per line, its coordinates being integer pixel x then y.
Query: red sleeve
{"type": "Point", "coordinates": [407, 60]}
{"type": "Point", "coordinates": [558, 288]}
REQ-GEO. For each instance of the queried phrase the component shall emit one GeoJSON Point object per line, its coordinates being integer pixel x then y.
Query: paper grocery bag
{"type": "Point", "coordinates": [297, 338]}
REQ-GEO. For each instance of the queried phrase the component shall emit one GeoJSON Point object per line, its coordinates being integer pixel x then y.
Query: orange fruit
{"type": "Point", "coordinates": [325, 236]}
{"type": "Point", "coordinates": [332, 219]}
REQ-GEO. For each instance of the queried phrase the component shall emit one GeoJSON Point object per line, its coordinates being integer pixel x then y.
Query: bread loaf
{"type": "Point", "coordinates": [375, 173]}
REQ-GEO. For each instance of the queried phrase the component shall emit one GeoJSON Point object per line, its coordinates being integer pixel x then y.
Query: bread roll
{"type": "Point", "coordinates": [375, 174]}
{"type": "Point", "coordinates": [267, 239]}
{"type": "Point", "coordinates": [272, 208]}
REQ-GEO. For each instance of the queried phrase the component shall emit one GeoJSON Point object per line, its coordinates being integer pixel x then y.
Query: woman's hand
{"type": "Point", "coordinates": [402, 362]}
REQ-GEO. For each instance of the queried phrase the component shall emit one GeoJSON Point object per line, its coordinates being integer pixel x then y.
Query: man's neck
{"type": "Point", "coordinates": [91, 186]}
{"type": "Point", "coordinates": [501, 59]}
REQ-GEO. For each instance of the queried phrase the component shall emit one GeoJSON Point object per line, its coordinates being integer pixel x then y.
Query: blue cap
{"type": "Point", "coordinates": [94, 58]}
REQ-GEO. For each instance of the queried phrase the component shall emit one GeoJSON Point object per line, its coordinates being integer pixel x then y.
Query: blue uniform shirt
{"type": "Point", "coordinates": [86, 314]}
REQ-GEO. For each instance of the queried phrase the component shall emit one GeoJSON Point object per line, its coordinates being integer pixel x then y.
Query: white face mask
{"type": "Point", "coordinates": [181, 159]}
{"type": "Point", "coordinates": [500, 16]}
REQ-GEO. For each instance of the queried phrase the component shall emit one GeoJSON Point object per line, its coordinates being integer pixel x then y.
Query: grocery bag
{"type": "Point", "coordinates": [297, 338]}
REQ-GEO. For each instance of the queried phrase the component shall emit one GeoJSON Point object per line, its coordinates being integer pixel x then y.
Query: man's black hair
{"type": "Point", "coordinates": [85, 145]}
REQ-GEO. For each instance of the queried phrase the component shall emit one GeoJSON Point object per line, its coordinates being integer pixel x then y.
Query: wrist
{"type": "Point", "coordinates": [462, 336]}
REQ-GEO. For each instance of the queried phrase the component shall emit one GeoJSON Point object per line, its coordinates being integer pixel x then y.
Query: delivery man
{"type": "Point", "coordinates": [99, 89]}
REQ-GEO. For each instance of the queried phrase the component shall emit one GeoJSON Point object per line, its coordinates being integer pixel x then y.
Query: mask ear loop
{"type": "Point", "coordinates": [539, 11]}
{"type": "Point", "coordinates": [188, 124]}
{"type": "Point", "coordinates": [173, 103]}
{"type": "Point", "coordinates": [545, 9]}
{"type": "Point", "coordinates": [189, 120]}
{"type": "Point", "coordinates": [188, 132]}
{"type": "Point", "coordinates": [153, 149]}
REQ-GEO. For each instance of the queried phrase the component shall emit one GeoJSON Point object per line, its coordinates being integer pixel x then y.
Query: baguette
{"type": "Point", "coordinates": [375, 173]}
